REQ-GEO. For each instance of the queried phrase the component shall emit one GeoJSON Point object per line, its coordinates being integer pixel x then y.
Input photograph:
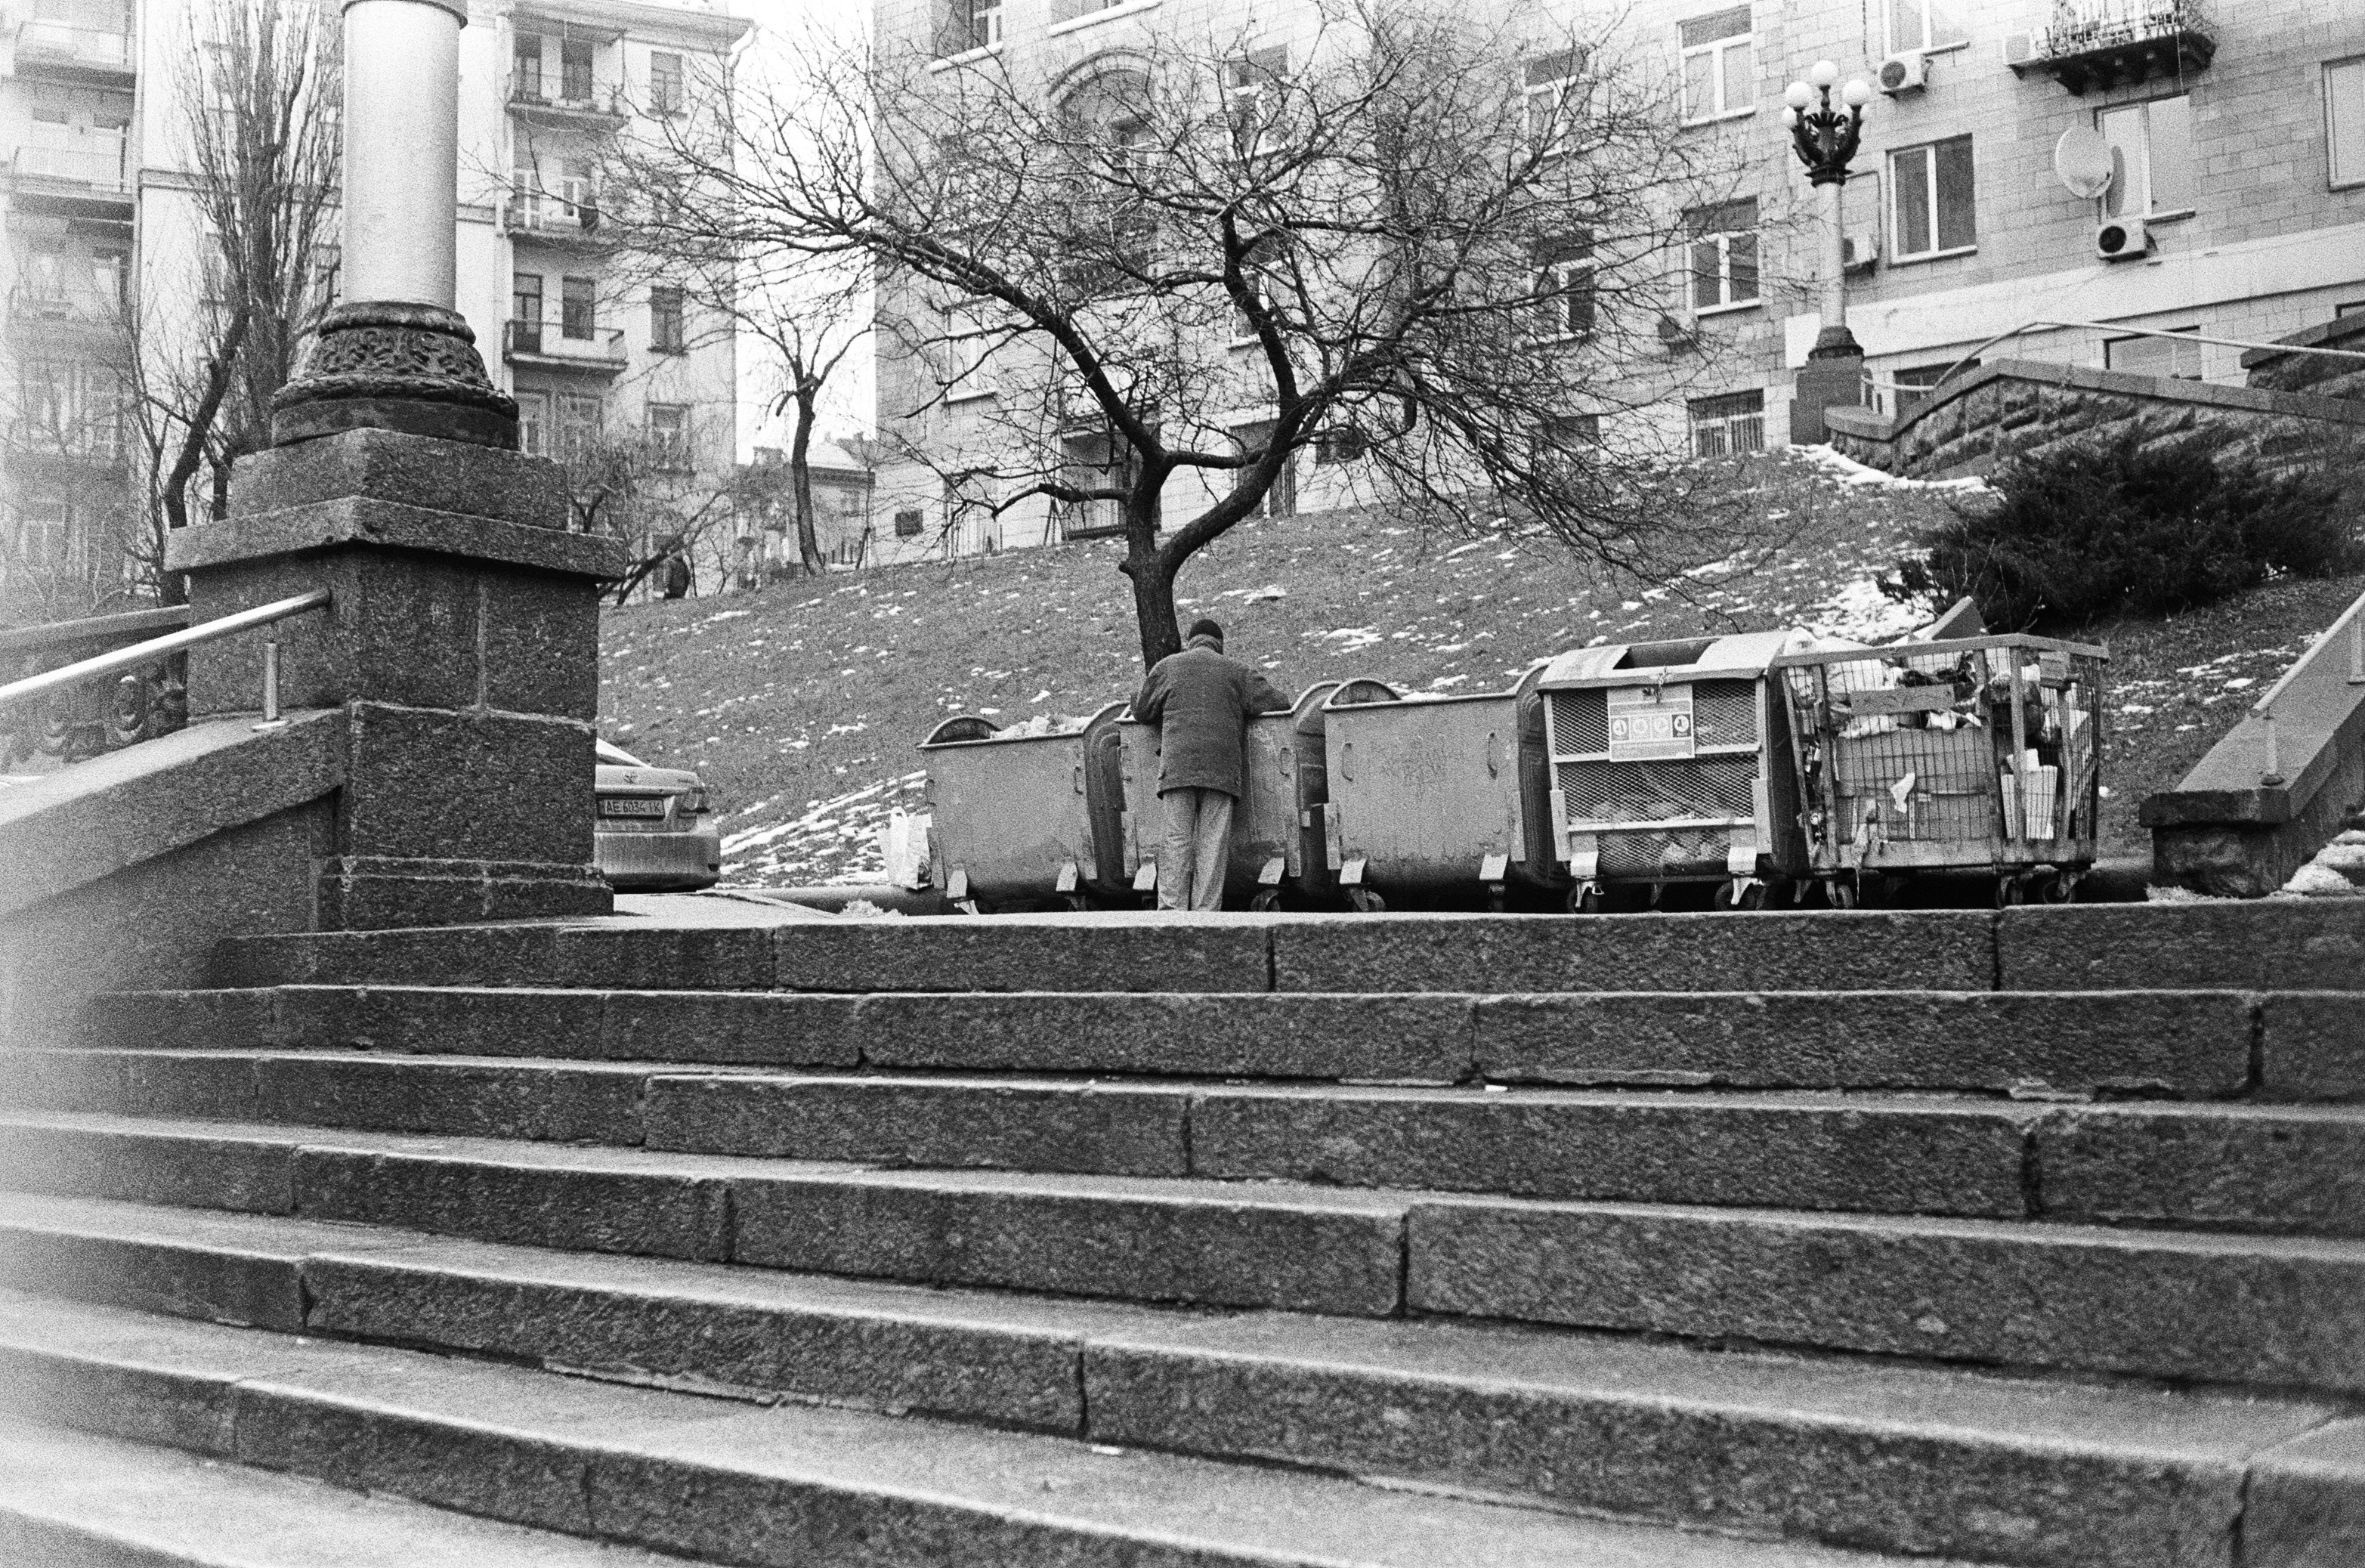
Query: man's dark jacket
{"type": "Point", "coordinates": [1202, 703]}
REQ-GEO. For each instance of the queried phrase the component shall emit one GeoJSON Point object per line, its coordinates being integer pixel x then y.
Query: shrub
{"type": "Point", "coordinates": [2091, 529]}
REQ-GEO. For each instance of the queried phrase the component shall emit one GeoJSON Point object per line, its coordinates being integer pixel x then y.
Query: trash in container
{"type": "Point", "coordinates": [1670, 763]}
{"type": "Point", "coordinates": [1026, 815]}
{"type": "Point", "coordinates": [1434, 794]}
{"type": "Point", "coordinates": [1976, 755]}
{"type": "Point", "coordinates": [1277, 827]}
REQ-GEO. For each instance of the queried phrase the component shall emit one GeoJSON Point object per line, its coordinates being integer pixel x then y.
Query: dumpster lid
{"type": "Point", "coordinates": [1744, 652]}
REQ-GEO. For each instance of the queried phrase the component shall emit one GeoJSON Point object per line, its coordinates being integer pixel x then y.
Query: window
{"type": "Point", "coordinates": [2165, 357]}
{"type": "Point", "coordinates": [1260, 269]}
{"type": "Point", "coordinates": [984, 23]}
{"type": "Point", "coordinates": [574, 70]}
{"type": "Point", "coordinates": [666, 321]}
{"type": "Point", "coordinates": [578, 198]}
{"type": "Point", "coordinates": [669, 436]}
{"type": "Point", "coordinates": [110, 274]}
{"type": "Point", "coordinates": [579, 426]}
{"type": "Point", "coordinates": [1552, 79]}
{"type": "Point", "coordinates": [1281, 501]}
{"type": "Point", "coordinates": [1334, 447]}
{"type": "Point", "coordinates": [967, 354]}
{"type": "Point", "coordinates": [1729, 425]}
{"type": "Point", "coordinates": [1564, 288]}
{"type": "Point", "coordinates": [2151, 157]}
{"type": "Point", "coordinates": [2344, 120]}
{"type": "Point", "coordinates": [665, 82]}
{"type": "Point", "coordinates": [1720, 65]}
{"type": "Point", "coordinates": [1930, 190]}
{"type": "Point", "coordinates": [908, 523]}
{"type": "Point", "coordinates": [534, 423]}
{"type": "Point", "coordinates": [1253, 87]}
{"type": "Point", "coordinates": [1924, 25]}
{"type": "Point", "coordinates": [525, 81]}
{"type": "Point", "coordinates": [525, 312]}
{"type": "Point", "coordinates": [575, 318]}
{"type": "Point", "coordinates": [1724, 253]}
{"type": "Point", "coordinates": [44, 276]}
{"type": "Point", "coordinates": [1911, 386]}
{"type": "Point", "coordinates": [44, 531]}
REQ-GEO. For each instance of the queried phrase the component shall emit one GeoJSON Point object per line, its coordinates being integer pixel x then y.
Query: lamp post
{"type": "Point", "coordinates": [1824, 135]}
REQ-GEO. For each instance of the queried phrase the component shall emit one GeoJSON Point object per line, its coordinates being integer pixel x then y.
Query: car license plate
{"type": "Point", "coordinates": [630, 806]}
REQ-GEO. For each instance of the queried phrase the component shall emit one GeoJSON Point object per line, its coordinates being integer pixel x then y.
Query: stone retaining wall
{"type": "Point", "coordinates": [2011, 407]}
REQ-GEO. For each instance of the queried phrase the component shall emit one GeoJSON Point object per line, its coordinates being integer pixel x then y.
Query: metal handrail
{"type": "Point", "coordinates": [2349, 627]}
{"type": "Point", "coordinates": [2144, 332]}
{"type": "Point", "coordinates": [149, 652]}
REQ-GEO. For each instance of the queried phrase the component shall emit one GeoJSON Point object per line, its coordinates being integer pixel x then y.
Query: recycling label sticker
{"type": "Point", "coordinates": [1647, 725]}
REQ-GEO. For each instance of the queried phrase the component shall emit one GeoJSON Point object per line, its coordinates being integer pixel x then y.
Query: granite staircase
{"type": "Point", "coordinates": [1775, 1241]}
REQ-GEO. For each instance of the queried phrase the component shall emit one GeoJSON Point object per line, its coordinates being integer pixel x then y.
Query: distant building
{"type": "Point", "coordinates": [2236, 209]}
{"type": "Point", "coordinates": [102, 226]}
{"type": "Point", "coordinates": [844, 483]}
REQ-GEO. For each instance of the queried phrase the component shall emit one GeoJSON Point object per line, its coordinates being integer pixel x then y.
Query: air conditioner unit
{"type": "Point", "coordinates": [2019, 49]}
{"type": "Point", "coordinates": [1858, 251]}
{"type": "Point", "coordinates": [1905, 72]}
{"type": "Point", "coordinates": [1677, 328]}
{"type": "Point", "coordinates": [2121, 240]}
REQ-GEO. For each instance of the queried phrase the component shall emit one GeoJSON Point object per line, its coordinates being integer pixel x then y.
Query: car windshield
{"type": "Point", "coordinates": [617, 757]}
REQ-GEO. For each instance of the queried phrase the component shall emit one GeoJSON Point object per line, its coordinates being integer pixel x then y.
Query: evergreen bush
{"type": "Point", "coordinates": [2089, 530]}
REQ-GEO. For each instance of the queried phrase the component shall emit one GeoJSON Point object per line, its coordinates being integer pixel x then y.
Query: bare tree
{"type": "Point", "coordinates": [259, 90]}
{"type": "Point", "coordinates": [1437, 246]}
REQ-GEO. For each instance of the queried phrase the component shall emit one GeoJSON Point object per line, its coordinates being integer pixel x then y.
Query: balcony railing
{"type": "Point", "coordinates": [559, 99]}
{"type": "Point", "coordinates": [98, 169]}
{"type": "Point", "coordinates": [597, 349]}
{"type": "Point", "coordinates": [2110, 43]}
{"type": "Point", "coordinates": [32, 306]}
{"type": "Point", "coordinates": [55, 43]}
{"type": "Point", "coordinates": [552, 218]}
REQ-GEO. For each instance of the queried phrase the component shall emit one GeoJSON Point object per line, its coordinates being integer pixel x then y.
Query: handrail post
{"type": "Point", "coordinates": [2357, 650]}
{"type": "Point", "coordinates": [2272, 774]}
{"type": "Point", "coordinates": [271, 719]}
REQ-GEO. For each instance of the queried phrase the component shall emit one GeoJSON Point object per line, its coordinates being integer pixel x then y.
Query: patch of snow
{"type": "Point", "coordinates": [1848, 471]}
{"type": "Point", "coordinates": [1862, 613]}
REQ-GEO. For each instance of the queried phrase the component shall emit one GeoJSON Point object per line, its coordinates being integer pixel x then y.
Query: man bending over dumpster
{"type": "Point", "coordinates": [1201, 702]}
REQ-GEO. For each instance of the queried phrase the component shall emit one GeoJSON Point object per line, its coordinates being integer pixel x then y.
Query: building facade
{"type": "Point", "coordinates": [108, 249]}
{"type": "Point", "coordinates": [2235, 135]}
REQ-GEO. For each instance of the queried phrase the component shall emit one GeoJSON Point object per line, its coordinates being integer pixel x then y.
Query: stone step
{"type": "Point", "coordinates": [2285, 946]}
{"type": "Point", "coordinates": [69, 1499]}
{"type": "Point", "coordinates": [1892, 1457]}
{"type": "Point", "coordinates": [809, 1486]}
{"type": "Point", "coordinates": [2177, 1304]}
{"type": "Point", "coordinates": [2242, 1166]}
{"type": "Point", "coordinates": [2186, 1045]}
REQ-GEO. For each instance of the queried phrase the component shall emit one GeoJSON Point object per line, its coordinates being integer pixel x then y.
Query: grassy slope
{"type": "Point", "coordinates": [800, 706]}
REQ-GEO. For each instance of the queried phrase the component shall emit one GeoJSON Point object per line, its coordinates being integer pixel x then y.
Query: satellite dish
{"type": "Point", "coordinates": [2084, 160]}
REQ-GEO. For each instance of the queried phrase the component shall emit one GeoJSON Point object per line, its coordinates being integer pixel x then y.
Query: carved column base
{"type": "Point", "coordinates": [397, 367]}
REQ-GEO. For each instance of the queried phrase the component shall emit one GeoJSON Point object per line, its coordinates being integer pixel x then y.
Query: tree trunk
{"type": "Point", "coordinates": [801, 482]}
{"type": "Point", "coordinates": [1153, 581]}
{"type": "Point", "coordinates": [201, 422]}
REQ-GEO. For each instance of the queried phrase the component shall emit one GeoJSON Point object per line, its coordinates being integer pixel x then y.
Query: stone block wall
{"type": "Point", "coordinates": [2015, 407]}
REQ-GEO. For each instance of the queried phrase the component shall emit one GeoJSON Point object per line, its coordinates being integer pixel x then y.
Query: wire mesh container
{"type": "Point", "coordinates": [1024, 816]}
{"type": "Point", "coordinates": [1670, 763]}
{"type": "Point", "coordinates": [1980, 755]}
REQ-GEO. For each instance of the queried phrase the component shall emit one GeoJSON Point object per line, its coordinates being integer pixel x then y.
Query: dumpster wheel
{"type": "Point", "coordinates": [1265, 901]}
{"type": "Point", "coordinates": [1587, 898]}
{"type": "Point", "coordinates": [1363, 901]}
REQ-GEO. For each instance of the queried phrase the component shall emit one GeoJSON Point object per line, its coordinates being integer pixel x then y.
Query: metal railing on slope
{"type": "Point", "coordinates": [2317, 693]}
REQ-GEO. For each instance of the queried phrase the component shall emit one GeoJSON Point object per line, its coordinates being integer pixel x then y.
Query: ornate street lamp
{"type": "Point", "coordinates": [1824, 135]}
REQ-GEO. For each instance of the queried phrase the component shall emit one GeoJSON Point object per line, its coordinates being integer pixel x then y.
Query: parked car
{"type": "Point", "coordinates": [654, 830]}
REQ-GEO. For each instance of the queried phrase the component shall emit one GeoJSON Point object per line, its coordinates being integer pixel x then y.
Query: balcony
{"type": "Point", "coordinates": [550, 221]}
{"type": "Point", "coordinates": [53, 314]}
{"type": "Point", "coordinates": [76, 441]}
{"type": "Point", "coordinates": [546, 345]}
{"type": "Point", "coordinates": [90, 180]}
{"type": "Point", "coordinates": [596, 105]}
{"type": "Point", "coordinates": [60, 51]}
{"type": "Point", "coordinates": [2099, 44]}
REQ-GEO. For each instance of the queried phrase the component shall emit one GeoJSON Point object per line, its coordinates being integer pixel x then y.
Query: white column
{"type": "Point", "coordinates": [1834, 278]}
{"type": "Point", "coordinates": [402, 149]}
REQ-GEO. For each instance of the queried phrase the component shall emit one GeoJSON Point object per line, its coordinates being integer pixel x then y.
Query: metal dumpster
{"type": "Point", "coordinates": [1907, 763]}
{"type": "Point", "coordinates": [1671, 763]}
{"type": "Point", "coordinates": [1277, 827]}
{"type": "Point", "coordinates": [1436, 794]}
{"type": "Point", "coordinates": [1025, 820]}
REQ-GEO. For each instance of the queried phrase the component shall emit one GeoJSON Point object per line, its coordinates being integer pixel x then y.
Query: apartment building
{"type": "Point", "coordinates": [2236, 134]}
{"type": "Point", "coordinates": [104, 227]}
{"type": "Point", "coordinates": [67, 128]}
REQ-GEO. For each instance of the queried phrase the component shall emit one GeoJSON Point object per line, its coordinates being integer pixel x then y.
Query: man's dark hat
{"type": "Point", "coordinates": [1203, 627]}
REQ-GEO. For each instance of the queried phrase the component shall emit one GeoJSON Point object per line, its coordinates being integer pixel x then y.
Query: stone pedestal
{"type": "Point", "coordinates": [1825, 381]}
{"type": "Point", "coordinates": [461, 646]}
